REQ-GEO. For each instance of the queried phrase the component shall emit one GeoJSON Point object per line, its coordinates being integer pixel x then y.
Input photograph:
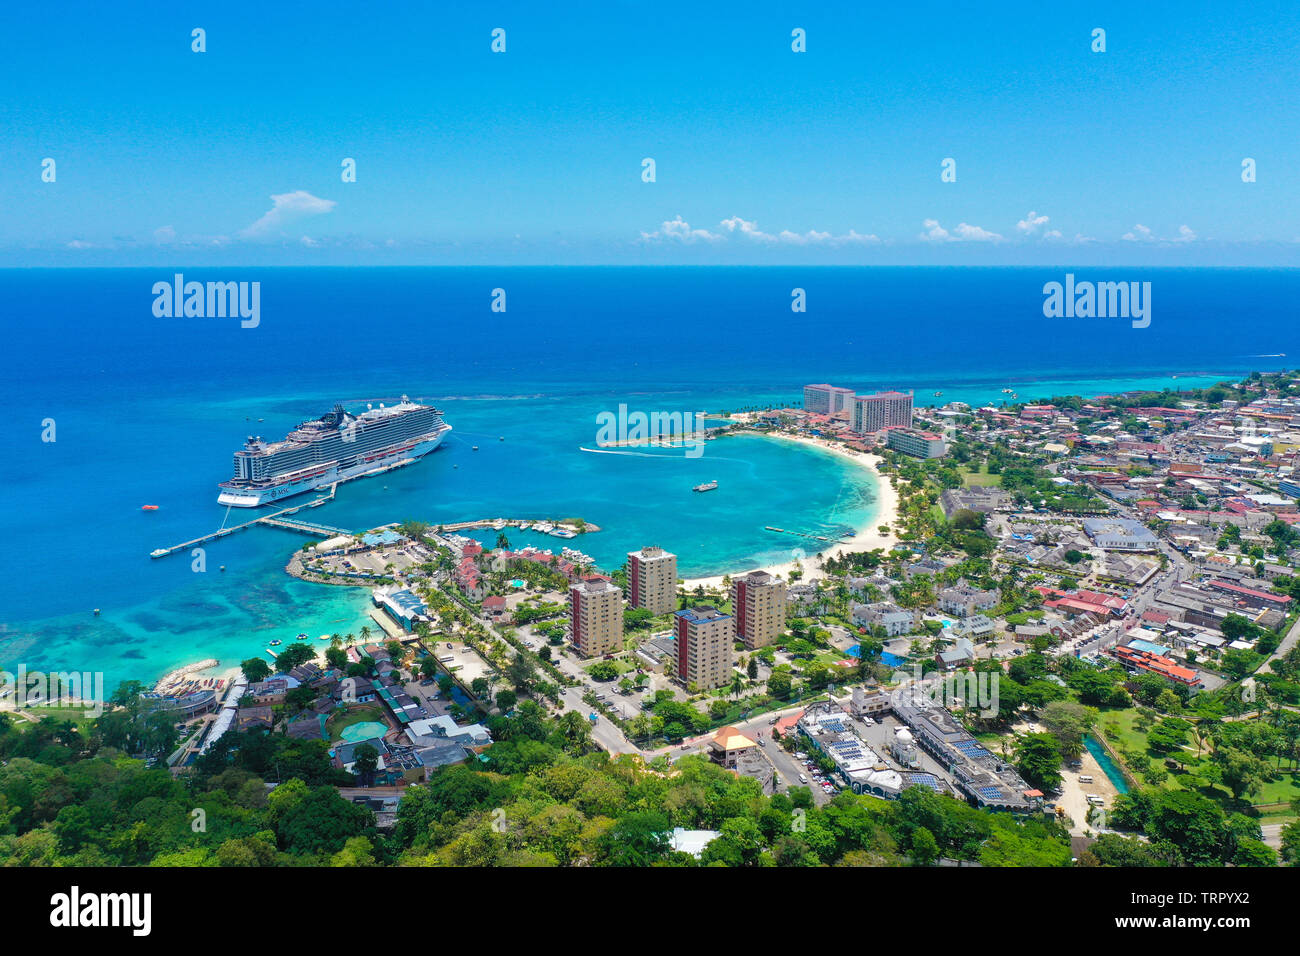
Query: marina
{"type": "Point", "coordinates": [566, 528]}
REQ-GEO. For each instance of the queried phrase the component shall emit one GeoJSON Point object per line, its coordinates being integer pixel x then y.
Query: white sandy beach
{"type": "Point", "coordinates": [866, 539]}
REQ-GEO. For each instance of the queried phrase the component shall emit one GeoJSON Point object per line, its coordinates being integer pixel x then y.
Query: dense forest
{"type": "Point", "coordinates": [542, 796]}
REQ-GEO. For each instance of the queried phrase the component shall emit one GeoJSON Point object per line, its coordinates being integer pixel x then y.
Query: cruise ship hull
{"type": "Point", "coordinates": [241, 495]}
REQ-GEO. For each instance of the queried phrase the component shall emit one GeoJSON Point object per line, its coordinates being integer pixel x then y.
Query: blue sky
{"type": "Point", "coordinates": [166, 156]}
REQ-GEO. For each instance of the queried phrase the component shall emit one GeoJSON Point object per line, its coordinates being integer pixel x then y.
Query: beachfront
{"type": "Point", "coordinates": [866, 538]}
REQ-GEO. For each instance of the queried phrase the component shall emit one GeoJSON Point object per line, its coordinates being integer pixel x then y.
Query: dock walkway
{"type": "Point", "coordinates": [275, 519]}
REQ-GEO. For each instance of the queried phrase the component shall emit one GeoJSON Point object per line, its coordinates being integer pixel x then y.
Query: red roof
{"type": "Point", "coordinates": [1250, 592]}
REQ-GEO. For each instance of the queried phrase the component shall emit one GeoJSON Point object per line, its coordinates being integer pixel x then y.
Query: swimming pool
{"type": "Point", "coordinates": [366, 730]}
{"type": "Point", "coordinates": [893, 660]}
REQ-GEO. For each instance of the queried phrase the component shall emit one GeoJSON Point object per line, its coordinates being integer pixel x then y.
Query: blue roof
{"type": "Point", "coordinates": [698, 615]}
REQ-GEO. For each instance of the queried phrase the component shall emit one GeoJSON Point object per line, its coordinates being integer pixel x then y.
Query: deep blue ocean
{"type": "Point", "coordinates": [149, 410]}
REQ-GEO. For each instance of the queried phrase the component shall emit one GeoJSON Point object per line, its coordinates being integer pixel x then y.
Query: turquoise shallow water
{"type": "Point", "coordinates": [184, 614]}
{"type": "Point", "coordinates": [1108, 766]}
{"type": "Point", "coordinates": [149, 411]}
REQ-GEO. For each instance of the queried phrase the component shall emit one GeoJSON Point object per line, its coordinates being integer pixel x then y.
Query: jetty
{"type": "Point", "coordinates": [276, 519]}
{"type": "Point", "coordinates": [807, 534]}
{"type": "Point", "coordinates": [307, 527]}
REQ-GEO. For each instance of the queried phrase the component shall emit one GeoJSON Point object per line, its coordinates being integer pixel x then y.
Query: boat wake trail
{"type": "Point", "coordinates": [646, 454]}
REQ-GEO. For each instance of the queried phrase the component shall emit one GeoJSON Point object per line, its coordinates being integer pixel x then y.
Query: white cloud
{"type": "Point", "coordinates": [309, 242]}
{"type": "Point", "coordinates": [1031, 223]}
{"type": "Point", "coordinates": [814, 237]}
{"type": "Point", "coordinates": [164, 235]}
{"type": "Point", "coordinates": [963, 232]}
{"type": "Point", "coordinates": [747, 229]}
{"type": "Point", "coordinates": [1142, 233]}
{"type": "Point", "coordinates": [287, 208]}
{"type": "Point", "coordinates": [680, 230]}
{"type": "Point", "coordinates": [975, 233]}
{"type": "Point", "coordinates": [935, 232]}
{"type": "Point", "coordinates": [80, 244]}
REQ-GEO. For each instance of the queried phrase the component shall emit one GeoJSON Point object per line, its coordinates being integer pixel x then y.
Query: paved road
{"type": "Point", "coordinates": [603, 732]}
{"type": "Point", "coordinates": [1283, 648]}
{"type": "Point", "coordinates": [1273, 835]}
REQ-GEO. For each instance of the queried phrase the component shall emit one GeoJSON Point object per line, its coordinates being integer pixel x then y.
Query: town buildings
{"type": "Point", "coordinates": [759, 602]}
{"type": "Point", "coordinates": [596, 616]}
{"type": "Point", "coordinates": [873, 413]}
{"type": "Point", "coordinates": [826, 399]}
{"type": "Point", "coordinates": [918, 444]}
{"type": "Point", "coordinates": [704, 637]}
{"type": "Point", "coordinates": [652, 580]}
{"type": "Point", "coordinates": [963, 600]}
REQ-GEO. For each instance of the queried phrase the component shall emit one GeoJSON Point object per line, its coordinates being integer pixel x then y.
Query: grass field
{"type": "Point", "coordinates": [356, 714]}
{"type": "Point", "coordinates": [979, 478]}
{"type": "Point", "coordinates": [1119, 728]}
{"type": "Point", "coordinates": [53, 715]}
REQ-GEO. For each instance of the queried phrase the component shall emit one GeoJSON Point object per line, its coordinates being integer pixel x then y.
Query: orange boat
{"type": "Point", "coordinates": [148, 507]}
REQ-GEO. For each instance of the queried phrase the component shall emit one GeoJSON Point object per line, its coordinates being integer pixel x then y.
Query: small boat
{"type": "Point", "coordinates": [501, 438]}
{"type": "Point", "coordinates": [475, 448]}
{"type": "Point", "coordinates": [707, 486]}
{"type": "Point", "coordinates": [276, 643]}
{"type": "Point", "coordinates": [148, 507]}
{"type": "Point", "coordinates": [938, 394]}
{"type": "Point", "coordinates": [302, 637]}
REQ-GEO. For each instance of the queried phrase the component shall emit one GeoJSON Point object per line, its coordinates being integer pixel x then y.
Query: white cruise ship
{"type": "Point", "coordinates": [336, 447]}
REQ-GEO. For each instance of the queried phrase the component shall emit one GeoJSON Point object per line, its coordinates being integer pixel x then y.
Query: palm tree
{"type": "Point", "coordinates": [737, 684]}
